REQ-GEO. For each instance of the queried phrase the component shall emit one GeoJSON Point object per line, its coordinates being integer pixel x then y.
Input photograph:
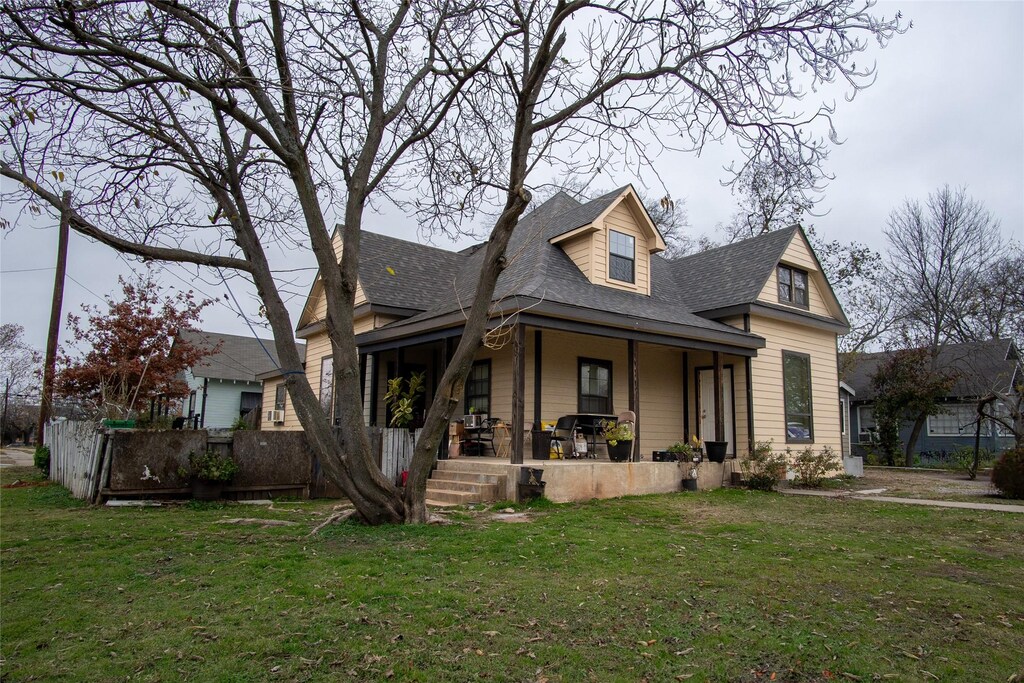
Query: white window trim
{"type": "Point", "coordinates": [864, 434]}
{"type": "Point", "coordinates": [964, 430]}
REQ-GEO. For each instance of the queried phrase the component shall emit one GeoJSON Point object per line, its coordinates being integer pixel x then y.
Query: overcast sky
{"type": "Point", "coordinates": [947, 107]}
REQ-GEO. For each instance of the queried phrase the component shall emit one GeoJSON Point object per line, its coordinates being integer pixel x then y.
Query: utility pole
{"type": "Point", "coordinates": [50, 362]}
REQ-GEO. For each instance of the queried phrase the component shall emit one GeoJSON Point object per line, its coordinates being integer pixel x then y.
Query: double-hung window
{"type": "Point", "coordinates": [279, 397]}
{"type": "Point", "coordinates": [796, 387]}
{"type": "Point", "coordinates": [478, 388]}
{"type": "Point", "coordinates": [793, 286]}
{"type": "Point", "coordinates": [595, 386]}
{"type": "Point", "coordinates": [621, 257]}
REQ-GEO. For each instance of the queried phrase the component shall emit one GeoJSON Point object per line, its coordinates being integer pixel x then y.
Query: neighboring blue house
{"type": "Point", "coordinates": [224, 385]}
{"type": "Point", "coordinates": [980, 367]}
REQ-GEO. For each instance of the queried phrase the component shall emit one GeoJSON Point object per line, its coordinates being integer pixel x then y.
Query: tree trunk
{"type": "Point", "coordinates": [912, 440]}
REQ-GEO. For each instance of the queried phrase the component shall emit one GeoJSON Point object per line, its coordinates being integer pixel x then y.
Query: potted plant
{"type": "Point", "coordinates": [208, 472]}
{"type": "Point", "coordinates": [681, 452]}
{"type": "Point", "coordinates": [716, 450]}
{"type": "Point", "coordinates": [690, 483]}
{"type": "Point", "coordinates": [401, 399]}
{"type": "Point", "coordinates": [619, 437]}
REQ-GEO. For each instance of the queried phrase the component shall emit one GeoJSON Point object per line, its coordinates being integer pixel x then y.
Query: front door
{"type": "Point", "coordinates": [706, 406]}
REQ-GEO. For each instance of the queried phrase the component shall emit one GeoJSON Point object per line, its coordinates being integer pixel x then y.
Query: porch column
{"type": "Point", "coordinates": [362, 385]}
{"type": "Point", "coordinates": [719, 398]}
{"type": "Point", "coordinates": [374, 382]}
{"type": "Point", "coordinates": [537, 371]}
{"type": "Point", "coordinates": [633, 363]}
{"type": "Point", "coordinates": [518, 393]}
{"type": "Point", "coordinates": [686, 397]}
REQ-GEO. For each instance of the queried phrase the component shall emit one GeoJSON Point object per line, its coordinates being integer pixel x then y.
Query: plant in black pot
{"type": "Point", "coordinates": [716, 450]}
{"type": "Point", "coordinates": [619, 437]}
{"type": "Point", "coordinates": [693, 464]}
{"type": "Point", "coordinates": [209, 472]}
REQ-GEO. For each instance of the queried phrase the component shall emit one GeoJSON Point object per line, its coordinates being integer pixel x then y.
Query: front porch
{"type": "Point", "coordinates": [677, 388]}
{"type": "Point", "coordinates": [470, 480]}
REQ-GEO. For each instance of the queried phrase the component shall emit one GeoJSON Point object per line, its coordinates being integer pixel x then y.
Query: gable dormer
{"type": "Point", "coordinates": [798, 282]}
{"type": "Point", "coordinates": [613, 248]}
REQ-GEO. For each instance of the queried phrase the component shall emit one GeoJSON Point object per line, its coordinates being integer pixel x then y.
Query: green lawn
{"type": "Point", "coordinates": [730, 585]}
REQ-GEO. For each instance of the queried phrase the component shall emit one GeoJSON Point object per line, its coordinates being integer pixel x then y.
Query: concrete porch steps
{"type": "Point", "coordinates": [455, 484]}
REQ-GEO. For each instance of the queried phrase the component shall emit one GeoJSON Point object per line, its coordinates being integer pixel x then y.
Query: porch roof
{"type": "Point", "coordinates": [557, 316]}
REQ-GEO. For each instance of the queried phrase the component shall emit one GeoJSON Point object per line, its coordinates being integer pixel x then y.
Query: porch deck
{"type": "Point", "coordinates": [578, 480]}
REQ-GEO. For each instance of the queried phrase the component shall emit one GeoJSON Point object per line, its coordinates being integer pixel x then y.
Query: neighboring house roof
{"type": "Point", "coordinates": [980, 368]}
{"type": "Point", "coordinates": [239, 358]}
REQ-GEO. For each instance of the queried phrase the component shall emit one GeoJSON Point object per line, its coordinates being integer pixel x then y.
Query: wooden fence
{"type": "Point", "coordinates": [95, 464]}
{"type": "Point", "coordinates": [76, 455]}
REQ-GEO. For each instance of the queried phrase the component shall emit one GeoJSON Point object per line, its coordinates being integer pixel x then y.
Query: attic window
{"type": "Point", "coordinates": [621, 256]}
{"type": "Point", "coordinates": [793, 286]}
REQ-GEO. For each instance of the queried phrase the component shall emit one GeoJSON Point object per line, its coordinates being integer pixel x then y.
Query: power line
{"type": "Point", "coordinates": [25, 270]}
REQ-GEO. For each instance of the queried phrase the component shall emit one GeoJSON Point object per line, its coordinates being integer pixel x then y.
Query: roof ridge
{"type": "Point", "coordinates": [746, 240]}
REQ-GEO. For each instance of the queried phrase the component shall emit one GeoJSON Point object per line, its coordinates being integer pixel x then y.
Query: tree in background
{"type": "Point", "coordinates": [940, 255]}
{"type": "Point", "coordinates": [19, 381]}
{"type": "Point", "coordinates": [907, 387]}
{"type": "Point", "coordinates": [134, 353]}
{"type": "Point", "coordinates": [996, 310]}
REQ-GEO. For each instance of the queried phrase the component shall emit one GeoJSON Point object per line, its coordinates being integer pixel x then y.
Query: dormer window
{"type": "Point", "coordinates": [793, 286]}
{"type": "Point", "coordinates": [621, 257]}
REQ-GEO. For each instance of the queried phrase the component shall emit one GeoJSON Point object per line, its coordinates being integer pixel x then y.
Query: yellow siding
{"type": "Point", "coordinates": [661, 398]}
{"type": "Point", "coordinates": [766, 373]}
{"type": "Point", "coordinates": [798, 254]}
{"type": "Point", "coordinates": [621, 219]}
{"type": "Point", "coordinates": [579, 250]}
{"type": "Point", "coordinates": [291, 422]}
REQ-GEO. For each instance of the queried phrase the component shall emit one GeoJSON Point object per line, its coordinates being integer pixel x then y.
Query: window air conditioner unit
{"type": "Point", "coordinates": [276, 416]}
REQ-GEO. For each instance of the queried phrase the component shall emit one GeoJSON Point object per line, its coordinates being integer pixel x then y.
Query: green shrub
{"type": "Point", "coordinates": [764, 468]}
{"type": "Point", "coordinates": [41, 459]}
{"type": "Point", "coordinates": [1008, 473]}
{"type": "Point", "coordinates": [209, 466]}
{"type": "Point", "coordinates": [963, 459]}
{"type": "Point", "coordinates": [813, 467]}
{"type": "Point", "coordinates": [155, 423]}
{"type": "Point", "coordinates": [239, 424]}
{"type": "Point", "coordinates": [873, 459]}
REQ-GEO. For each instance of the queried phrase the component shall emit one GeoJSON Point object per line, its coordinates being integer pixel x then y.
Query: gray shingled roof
{"type": "Point", "coordinates": [540, 270]}
{"type": "Point", "coordinates": [980, 367]}
{"type": "Point", "coordinates": [437, 282]}
{"type": "Point", "coordinates": [419, 271]}
{"type": "Point", "coordinates": [732, 274]}
{"type": "Point", "coordinates": [239, 358]}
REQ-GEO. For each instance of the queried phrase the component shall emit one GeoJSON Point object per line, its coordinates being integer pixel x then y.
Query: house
{"type": "Point", "coordinates": [224, 386]}
{"type": "Point", "coordinates": [734, 344]}
{"type": "Point", "coordinates": [979, 367]}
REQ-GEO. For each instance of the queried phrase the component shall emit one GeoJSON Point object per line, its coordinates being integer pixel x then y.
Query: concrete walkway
{"type": "Point", "coordinates": [872, 496]}
{"type": "Point", "coordinates": [15, 456]}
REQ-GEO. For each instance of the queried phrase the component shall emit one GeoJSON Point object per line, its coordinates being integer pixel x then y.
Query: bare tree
{"type": "Point", "coordinates": [774, 193]}
{"type": "Point", "coordinates": [938, 254]}
{"type": "Point", "coordinates": [19, 368]}
{"type": "Point", "coordinates": [174, 116]}
{"type": "Point", "coordinates": [996, 310]}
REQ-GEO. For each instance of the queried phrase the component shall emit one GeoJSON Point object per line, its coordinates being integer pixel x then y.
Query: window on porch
{"type": "Point", "coordinates": [478, 388]}
{"type": "Point", "coordinates": [326, 383]}
{"type": "Point", "coordinates": [595, 389]}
